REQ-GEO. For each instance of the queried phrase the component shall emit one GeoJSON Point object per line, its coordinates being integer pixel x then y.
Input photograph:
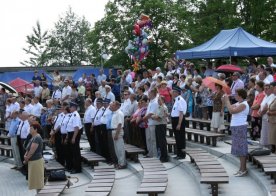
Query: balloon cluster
{"type": "Point", "coordinates": [138, 48]}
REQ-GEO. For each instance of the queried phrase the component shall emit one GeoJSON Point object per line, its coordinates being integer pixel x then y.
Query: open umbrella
{"type": "Point", "coordinates": [228, 68]}
{"type": "Point", "coordinates": [22, 85]}
{"type": "Point", "coordinates": [211, 81]}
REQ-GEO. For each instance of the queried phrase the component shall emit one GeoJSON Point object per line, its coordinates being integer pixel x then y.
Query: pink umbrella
{"type": "Point", "coordinates": [22, 85]}
{"type": "Point", "coordinates": [229, 68]}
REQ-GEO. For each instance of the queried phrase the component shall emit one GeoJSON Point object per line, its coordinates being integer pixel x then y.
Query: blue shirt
{"type": "Point", "coordinates": [108, 120]}
{"type": "Point", "coordinates": [43, 119]}
{"type": "Point", "coordinates": [13, 127]}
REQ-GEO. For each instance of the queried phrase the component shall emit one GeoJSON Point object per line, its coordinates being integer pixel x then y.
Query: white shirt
{"type": "Point", "coordinates": [157, 74]}
{"type": "Point", "coordinates": [14, 107]}
{"type": "Point", "coordinates": [240, 118]}
{"type": "Point", "coordinates": [125, 107]}
{"type": "Point", "coordinates": [64, 123]}
{"type": "Point", "coordinates": [171, 73]}
{"type": "Point", "coordinates": [152, 108]}
{"type": "Point", "coordinates": [58, 121]}
{"type": "Point", "coordinates": [67, 90]}
{"type": "Point", "coordinates": [28, 108]}
{"type": "Point", "coordinates": [89, 114]}
{"type": "Point", "coordinates": [104, 115]}
{"type": "Point", "coordinates": [169, 84]}
{"type": "Point", "coordinates": [23, 129]}
{"type": "Point", "coordinates": [117, 118]}
{"type": "Point", "coordinates": [74, 121]}
{"type": "Point", "coordinates": [37, 91]}
{"type": "Point", "coordinates": [100, 78]}
{"type": "Point", "coordinates": [102, 91]}
{"type": "Point", "coordinates": [110, 96]}
{"type": "Point", "coordinates": [266, 101]}
{"type": "Point", "coordinates": [97, 118]}
{"type": "Point", "coordinates": [56, 94]}
{"type": "Point", "coordinates": [129, 78]}
{"type": "Point", "coordinates": [8, 111]}
{"type": "Point", "coordinates": [36, 110]}
{"type": "Point", "coordinates": [180, 105]}
{"type": "Point", "coordinates": [238, 84]}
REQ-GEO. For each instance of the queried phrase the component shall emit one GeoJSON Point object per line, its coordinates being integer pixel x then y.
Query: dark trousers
{"type": "Point", "coordinates": [59, 148]}
{"type": "Point", "coordinates": [98, 138]}
{"type": "Point", "coordinates": [180, 137]}
{"type": "Point", "coordinates": [161, 142]}
{"type": "Point", "coordinates": [127, 132]}
{"type": "Point", "coordinates": [143, 140]}
{"type": "Point", "coordinates": [74, 150]}
{"type": "Point", "coordinates": [111, 149]}
{"type": "Point", "coordinates": [90, 136]}
{"type": "Point", "coordinates": [256, 123]}
{"type": "Point", "coordinates": [104, 140]}
{"type": "Point", "coordinates": [22, 151]}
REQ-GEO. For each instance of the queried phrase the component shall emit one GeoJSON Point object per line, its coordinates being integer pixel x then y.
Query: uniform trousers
{"type": "Point", "coordinates": [98, 138]}
{"type": "Point", "coordinates": [74, 151]}
{"type": "Point", "coordinates": [104, 141]}
{"type": "Point", "coordinates": [160, 131]}
{"type": "Point", "coordinates": [180, 137]}
{"type": "Point", "coordinates": [127, 132]}
{"type": "Point", "coordinates": [90, 136]}
{"type": "Point", "coordinates": [119, 148]}
{"type": "Point", "coordinates": [111, 150]}
{"type": "Point", "coordinates": [59, 148]}
{"type": "Point", "coordinates": [151, 141]}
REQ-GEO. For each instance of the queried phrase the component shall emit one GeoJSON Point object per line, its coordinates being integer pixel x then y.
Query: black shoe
{"type": "Point", "coordinates": [164, 160]}
{"type": "Point", "coordinates": [75, 172]}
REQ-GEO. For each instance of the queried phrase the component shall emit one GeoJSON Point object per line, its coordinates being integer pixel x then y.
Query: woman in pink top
{"type": "Point", "coordinates": [256, 120]}
{"type": "Point", "coordinates": [165, 91]}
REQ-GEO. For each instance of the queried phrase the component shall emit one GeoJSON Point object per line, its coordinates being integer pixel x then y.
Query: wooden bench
{"type": "Point", "coordinates": [53, 188]}
{"type": "Point", "coordinates": [155, 178]}
{"type": "Point", "coordinates": [6, 150]}
{"type": "Point", "coordinates": [91, 158]}
{"type": "Point", "coordinates": [201, 122]}
{"type": "Point", "coordinates": [267, 163]}
{"type": "Point", "coordinates": [211, 171]}
{"type": "Point", "coordinates": [171, 143]}
{"type": "Point", "coordinates": [202, 136]}
{"type": "Point", "coordinates": [133, 152]}
{"type": "Point", "coordinates": [4, 139]}
{"type": "Point", "coordinates": [103, 181]}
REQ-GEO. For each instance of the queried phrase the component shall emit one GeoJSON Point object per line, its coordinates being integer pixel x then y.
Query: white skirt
{"type": "Point", "coordinates": [217, 121]}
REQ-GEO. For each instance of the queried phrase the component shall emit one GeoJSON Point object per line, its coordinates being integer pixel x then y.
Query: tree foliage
{"type": "Point", "coordinates": [37, 47]}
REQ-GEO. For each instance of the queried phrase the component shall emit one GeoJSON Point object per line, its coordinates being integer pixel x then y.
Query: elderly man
{"type": "Point", "coordinates": [158, 73]}
{"type": "Point", "coordinates": [89, 114]}
{"type": "Point", "coordinates": [115, 123]}
{"type": "Point", "coordinates": [37, 107]}
{"type": "Point", "coordinates": [74, 130]}
{"type": "Point", "coordinates": [270, 62]}
{"type": "Point", "coordinates": [236, 84]}
{"type": "Point", "coordinates": [97, 95]}
{"type": "Point", "coordinates": [28, 105]}
{"type": "Point", "coordinates": [102, 89]}
{"type": "Point", "coordinates": [37, 89]}
{"type": "Point", "coordinates": [109, 94]}
{"type": "Point", "coordinates": [150, 131]}
{"type": "Point", "coordinates": [66, 92]}
{"type": "Point", "coordinates": [56, 93]}
{"type": "Point", "coordinates": [125, 108]}
{"type": "Point", "coordinates": [15, 106]}
{"type": "Point", "coordinates": [81, 95]}
{"type": "Point", "coordinates": [101, 77]}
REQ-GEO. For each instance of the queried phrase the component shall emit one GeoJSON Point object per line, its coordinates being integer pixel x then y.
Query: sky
{"type": "Point", "coordinates": [17, 17]}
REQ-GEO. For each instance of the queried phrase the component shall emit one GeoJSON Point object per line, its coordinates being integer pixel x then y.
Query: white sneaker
{"type": "Point", "coordinates": [241, 173]}
{"type": "Point", "coordinates": [237, 173]}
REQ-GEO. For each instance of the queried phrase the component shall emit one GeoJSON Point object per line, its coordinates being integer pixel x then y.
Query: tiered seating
{"type": "Point", "coordinates": [103, 181]}
{"type": "Point", "coordinates": [155, 179]}
{"type": "Point", "coordinates": [132, 152]}
{"type": "Point", "coordinates": [91, 158]}
{"type": "Point", "coordinates": [5, 144]}
{"type": "Point", "coordinates": [202, 123]}
{"type": "Point", "coordinates": [211, 171]}
{"type": "Point", "coordinates": [53, 188]}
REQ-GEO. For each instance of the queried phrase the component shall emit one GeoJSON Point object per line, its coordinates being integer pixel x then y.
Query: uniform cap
{"type": "Point", "coordinates": [73, 104]}
{"type": "Point", "coordinates": [99, 100]}
{"type": "Point", "coordinates": [106, 101]}
{"type": "Point", "coordinates": [177, 88]}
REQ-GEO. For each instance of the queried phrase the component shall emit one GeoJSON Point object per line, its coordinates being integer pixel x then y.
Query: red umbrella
{"type": "Point", "coordinates": [229, 68]}
{"type": "Point", "coordinates": [210, 83]}
{"type": "Point", "coordinates": [22, 85]}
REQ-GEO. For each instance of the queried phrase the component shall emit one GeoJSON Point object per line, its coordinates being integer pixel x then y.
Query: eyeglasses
{"type": "Point", "coordinates": [126, 94]}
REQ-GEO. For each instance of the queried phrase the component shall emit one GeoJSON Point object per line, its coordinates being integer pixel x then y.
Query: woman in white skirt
{"type": "Point", "coordinates": [34, 159]}
{"type": "Point", "coordinates": [269, 97]}
{"type": "Point", "coordinates": [217, 122]}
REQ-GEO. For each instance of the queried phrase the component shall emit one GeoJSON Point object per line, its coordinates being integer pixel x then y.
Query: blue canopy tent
{"type": "Point", "coordinates": [230, 43]}
{"type": "Point", "coordinates": [90, 71]}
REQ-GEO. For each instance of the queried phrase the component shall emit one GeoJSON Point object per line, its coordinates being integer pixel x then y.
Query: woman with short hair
{"type": "Point", "coordinates": [217, 122]}
{"type": "Point", "coordinates": [33, 157]}
{"type": "Point", "coordinates": [238, 127]}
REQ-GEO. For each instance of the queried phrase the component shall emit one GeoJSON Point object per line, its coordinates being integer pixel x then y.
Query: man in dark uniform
{"type": "Point", "coordinates": [74, 129]}
{"type": "Point", "coordinates": [178, 121]}
{"type": "Point", "coordinates": [96, 125]}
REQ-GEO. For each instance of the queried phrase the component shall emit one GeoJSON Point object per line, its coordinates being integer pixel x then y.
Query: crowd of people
{"type": "Point", "coordinates": [135, 109]}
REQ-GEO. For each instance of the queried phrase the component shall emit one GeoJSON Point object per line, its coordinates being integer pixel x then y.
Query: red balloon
{"type": "Point", "coordinates": [137, 30]}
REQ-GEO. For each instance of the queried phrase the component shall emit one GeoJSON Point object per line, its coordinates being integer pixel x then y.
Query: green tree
{"type": "Point", "coordinates": [37, 47]}
{"type": "Point", "coordinates": [115, 29]}
{"type": "Point", "coordinates": [69, 43]}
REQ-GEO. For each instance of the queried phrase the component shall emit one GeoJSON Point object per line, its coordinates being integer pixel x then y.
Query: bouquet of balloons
{"type": "Point", "coordinates": [138, 48]}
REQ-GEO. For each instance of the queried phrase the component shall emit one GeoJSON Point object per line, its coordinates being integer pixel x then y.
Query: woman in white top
{"type": "Point", "coordinates": [181, 82]}
{"type": "Point", "coordinates": [269, 97]}
{"type": "Point", "coordinates": [238, 127]}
